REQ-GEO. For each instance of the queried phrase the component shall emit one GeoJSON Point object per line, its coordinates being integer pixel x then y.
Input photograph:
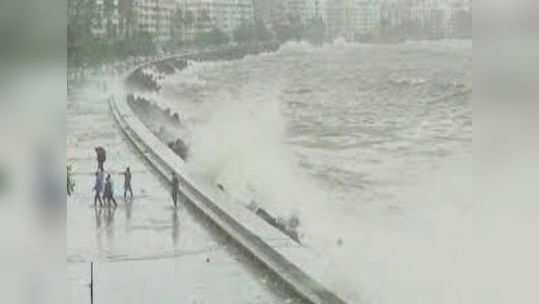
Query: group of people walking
{"type": "Point", "coordinates": [104, 186]}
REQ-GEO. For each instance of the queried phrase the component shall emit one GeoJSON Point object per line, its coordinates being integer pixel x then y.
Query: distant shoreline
{"type": "Point", "coordinates": [146, 82]}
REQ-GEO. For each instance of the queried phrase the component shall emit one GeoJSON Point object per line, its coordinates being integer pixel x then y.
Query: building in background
{"type": "Point", "coordinates": [426, 19]}
{"type": "Point", "coordinates": [107, 19]}
{"type": "Point", "coordinates": [369, 17]}
{"type": "Point", "coordinates": [297, 9]}
{"type": "Point", "coordinates": [315, 9]}
{"type": "Point", "coordinates": [353, 19]}
{"type": "Point", "coordinates": [196, 18]}
{"type": "Point", "coordinates": [432, 17]}
{"type": "Point", "coordinates": [305, 10]}
{"type": "Point", "coordinates": [395, 14]}
{"type": "Point", "coordinates": [278, 12]}
{"type": "Point", "coordinates": [154, 17]}
{"type": "Point", "coordinates": [300, 10]}
{"type": "Point", "coordinates": [341, 19]}
{"type": "Point", "coordinates": [205, 15]}
{"type": "Point", "coordinates": [262, 11]}
{"type": "Point", "coordinates": [271, 12]}
{"type": "Point", "coordinates": [460, 20]}
{"type": "Point", "coordinates": [127, 22]}
{"type": "Point", "coordinates": [227, 15]}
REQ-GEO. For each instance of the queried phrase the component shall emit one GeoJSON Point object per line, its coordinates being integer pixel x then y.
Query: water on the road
{"type": "Point", "coordinates": [145, 251]}
{"type": "Point", "coordinates": [370, 146]}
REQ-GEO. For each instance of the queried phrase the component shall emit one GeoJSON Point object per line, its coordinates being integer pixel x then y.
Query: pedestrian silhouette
{"type": "Point", "coordinates": [98, 187]}
{"type": "Point", "coordinates": [127, 184]}
{"type": "Point", "coordinates": [108, 194]}
{"type": "Point", "coordinates": [175, 189]}
{"type": "Point", "coordinates": [101, 157]}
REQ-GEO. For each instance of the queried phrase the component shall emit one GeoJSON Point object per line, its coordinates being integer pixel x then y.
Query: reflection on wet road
{"type": "Point", "coordinates": [144, 250]}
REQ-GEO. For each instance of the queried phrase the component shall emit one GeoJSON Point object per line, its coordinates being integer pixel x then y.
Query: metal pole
{"type": "Point", "coordinates": [92, 283]}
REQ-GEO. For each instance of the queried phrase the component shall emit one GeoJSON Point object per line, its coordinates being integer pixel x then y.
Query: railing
{"type": "Point", "coordinates": [242, 226]}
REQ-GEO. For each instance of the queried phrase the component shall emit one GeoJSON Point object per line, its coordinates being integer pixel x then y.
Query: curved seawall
{"type": "Point", "coordinates": [297, 266]}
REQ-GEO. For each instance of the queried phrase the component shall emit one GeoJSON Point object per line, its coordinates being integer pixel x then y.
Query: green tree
{"type": "Point", "coordinates": [130, 16]}
{"type": "Point", "coordinates": [177, 24]}
{"type": "Point", "coordinates": [248, 32]}
{"type": "Point", "coordinates": [262, 32]}
{"type": "Point", "coordinates": [189, 19]}
{"type": "Point", "coordinates": [203, 21]}
{"type": "Point", "coordinates": [108, 9]}
{"type": "Point", "coordinates": [244, 33]}
{"type": "Point", "coordinates": [80, 20]}
{"type": "Point", "coordinates": [292, 30]}
{"type": "Point", "coordinates": [189, 23]}
{"type": "Point", "coordinates": [212, 37]}
{"type": "Point", "coordinates": [144, 44]}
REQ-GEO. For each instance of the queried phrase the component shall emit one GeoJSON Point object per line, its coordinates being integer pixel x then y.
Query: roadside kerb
{"type": "Point", "coordinates": [266, 244]}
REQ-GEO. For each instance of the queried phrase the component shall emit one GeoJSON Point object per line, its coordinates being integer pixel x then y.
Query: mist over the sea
{"type": "Point", "coordinates": [369, 145]}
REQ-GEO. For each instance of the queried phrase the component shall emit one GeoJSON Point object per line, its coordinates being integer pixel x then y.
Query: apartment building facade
{"type": "Point", "coordinates": [352, 19]}
{"type": "Point", "coordinates": [107, 19]}
{"type": "Point", "coordinates": [396, 13]}
{"type": "Point", "coordinates": [155, 17]}
{"type": "Point", "coordinates": [225, 15]}
{"type": "Point", "coordinates": [369, 17]}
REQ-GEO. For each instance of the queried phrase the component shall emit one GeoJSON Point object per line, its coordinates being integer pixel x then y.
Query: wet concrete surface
{"type": "Point", "coordinates": [145, 251]}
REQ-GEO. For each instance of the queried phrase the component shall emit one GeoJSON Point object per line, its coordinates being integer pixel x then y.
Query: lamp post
{"type": "Point", "coordinates": [92, 283]}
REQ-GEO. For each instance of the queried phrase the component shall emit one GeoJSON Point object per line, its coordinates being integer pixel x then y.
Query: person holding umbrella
{"type": "Point", "coordinates": [101, 157]}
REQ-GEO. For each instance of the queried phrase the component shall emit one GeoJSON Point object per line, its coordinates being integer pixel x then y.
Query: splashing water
{"type": "Point", "coordinates": [371, 147]}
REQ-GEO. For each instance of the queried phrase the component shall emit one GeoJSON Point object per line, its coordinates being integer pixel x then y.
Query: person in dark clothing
{"type": "Point", "coordinates": [70, 183]}
{"type": "Point", "coordinates": [127, 183]}
{"type": "Point", "coordinates": [175, 189]}
{"type": "Point", "coordinates": [101, 157]}
{"type": "Point", "coordinates": [108, 194]}
{"type": "Point", "coordinates": [98, 188]}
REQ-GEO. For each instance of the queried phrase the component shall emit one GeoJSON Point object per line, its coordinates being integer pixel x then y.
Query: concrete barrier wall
{"type": "Point", "coordinates": [297, 266]}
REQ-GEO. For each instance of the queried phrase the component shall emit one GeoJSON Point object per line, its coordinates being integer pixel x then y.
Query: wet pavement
{"type": "Point", "coordinates": [144, 251]}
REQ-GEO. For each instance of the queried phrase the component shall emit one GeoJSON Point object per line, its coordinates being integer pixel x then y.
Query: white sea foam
{"type": "Point", "coordinates": [412, 231]}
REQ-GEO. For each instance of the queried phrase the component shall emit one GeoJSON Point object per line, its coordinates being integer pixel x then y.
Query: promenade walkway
{"type": "Point", "coordinates": [144, 251]}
